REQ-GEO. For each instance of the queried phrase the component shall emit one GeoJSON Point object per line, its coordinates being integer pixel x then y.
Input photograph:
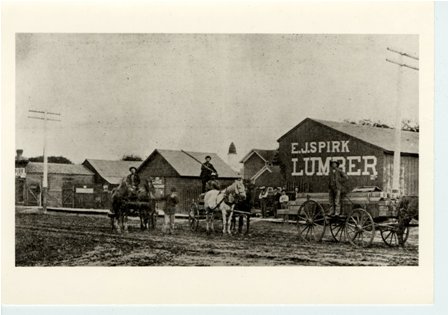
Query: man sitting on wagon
{"type": "Point", "coordinates": [213, 183]}
{"type": "Point", "coordinates": [133, 180]}
{"type": "Point", "coordinates": [207, 169]}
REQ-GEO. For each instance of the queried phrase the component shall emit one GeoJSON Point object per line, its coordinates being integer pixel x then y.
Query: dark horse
{"type": "Point", "coordinates": [147, 205]}
{"type": "Point", "coordinates": [407, 210]}
{"type": "Point", "coordinates": [245, 205]}
{"type": "Point", "coordinates": [126, 200]}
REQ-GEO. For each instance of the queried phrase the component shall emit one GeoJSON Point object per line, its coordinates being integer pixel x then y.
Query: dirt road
{"type": "Point", "coordinates": [82, 240]}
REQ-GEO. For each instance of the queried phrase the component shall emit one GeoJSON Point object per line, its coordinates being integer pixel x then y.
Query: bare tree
{"type": "Point", "coordinates": [406, 125]}
{"type": "Point", "coordinates": [51, 159]}
{"type": "Point", "coordinates": [131, 157]}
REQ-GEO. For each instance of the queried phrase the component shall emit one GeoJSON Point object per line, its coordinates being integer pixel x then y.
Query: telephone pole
{"type": "Point", "coordinates": [44, 115]}
{"type": "Point", "coordinates": [398, 117]}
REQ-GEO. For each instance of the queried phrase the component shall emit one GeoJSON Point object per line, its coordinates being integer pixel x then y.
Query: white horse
{"type": "Point", "coordinates": [223, 200]}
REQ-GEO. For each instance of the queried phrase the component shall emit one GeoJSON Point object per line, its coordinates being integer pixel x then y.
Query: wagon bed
{"type": "Point", "coordinates": [362, 213]}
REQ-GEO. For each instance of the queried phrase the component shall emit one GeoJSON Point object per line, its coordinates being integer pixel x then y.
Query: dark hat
{"type": "Point", "coordinates": [173, 189]}
{"type": "Point", "coordinates": [335, 161]}
{"type": "Point", "coordinates": [133, 167]}
{"type": "Point", "coordinates": [208, 157]}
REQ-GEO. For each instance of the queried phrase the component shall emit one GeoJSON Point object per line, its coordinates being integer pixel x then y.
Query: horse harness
{"type": "Point", "coordinates": [227, 202]}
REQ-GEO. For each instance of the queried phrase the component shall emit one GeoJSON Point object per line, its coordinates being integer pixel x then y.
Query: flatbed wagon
{"type": "Point", "coordinates": [363, 212]}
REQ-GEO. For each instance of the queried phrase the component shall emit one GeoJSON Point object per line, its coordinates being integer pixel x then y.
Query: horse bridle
{"type": "Point", "coordinates": [226, 193]}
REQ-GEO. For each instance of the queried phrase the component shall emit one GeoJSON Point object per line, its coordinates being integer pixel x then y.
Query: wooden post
{"type": "Point", "coordinates": [398, 117]}
{"type": "Point", "coordinates": [397, 146]}
{"type": "Point", "coordinates": [45, 179]}
{"type": "Point", "coordinates": [44, 191]}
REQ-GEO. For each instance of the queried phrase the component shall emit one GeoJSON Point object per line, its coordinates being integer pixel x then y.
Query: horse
{"type": "Point", "coordinates": [243, 205]}
{"type": "Point", "coordinates": [146, 195]}
{"type": "Point", "coordinates": [223, 200]}
{"type": "Point", "coordinates": [118, 216]}
{"type": "Point", "coordinates": [407, 210]}
{"type": "Point", "coordinates": [125, 199]}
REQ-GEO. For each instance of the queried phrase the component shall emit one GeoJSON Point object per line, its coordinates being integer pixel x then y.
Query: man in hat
{"type": "Point", "coordinates": [262, 198]}
{"type": "Point", "coordinates": [171, 204]}
{"type": "Point", "coordinates": [213, 183]}
{"type": "Point", "coordinates": [133, 180]}
{"type": "Point", "coordinates": [337, 185]}
{"type": "Point", "coordinates": [207, 169]}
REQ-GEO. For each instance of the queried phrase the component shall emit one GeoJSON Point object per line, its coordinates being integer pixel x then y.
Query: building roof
{"type": "Point", "coordinates": [275, 170]}
{"type": "Point", "coordinates": [265, 155]}
{"type": "Point", "coordinates": [112, 171]}
{"type": "Point", "coordinates": [186, 166]}
{"type": "Point", "coordinates": [273, 178]}
{"type": "Point", "coordinates": [380, 137]}
{"type": "Point", "coordinates": [56, 168]}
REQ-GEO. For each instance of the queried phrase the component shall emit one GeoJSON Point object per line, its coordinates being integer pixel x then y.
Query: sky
{"type": "Point", "coordinates": [132, 93]}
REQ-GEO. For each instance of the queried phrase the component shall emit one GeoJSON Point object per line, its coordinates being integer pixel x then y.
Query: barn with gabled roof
{"type": "Point", "coordinates": [69, 185]}
{"type": "Point", "coordinates": [107, 175]}
{"type": "Point", "coordinates": [365, 153]}
{"type": "Point", "coordinates": [181, 169]}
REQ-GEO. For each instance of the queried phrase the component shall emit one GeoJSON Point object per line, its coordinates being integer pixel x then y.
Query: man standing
{"type": "Point", "coordinates": [277, 195]}
{"type": "Point", "coordinates": [207, 169]}
{"type": "Point", "coordinates": [262, 197]}
{"type": "Point", "coordinates": [337, 186]}
{"type": "Point", "coordinates": [171, 202]}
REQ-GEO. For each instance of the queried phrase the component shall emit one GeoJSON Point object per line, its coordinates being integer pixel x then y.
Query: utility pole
{"type": "Point", "coordinates": [43, 115]}
{"type": "Point", "coordinates": [398, 117]}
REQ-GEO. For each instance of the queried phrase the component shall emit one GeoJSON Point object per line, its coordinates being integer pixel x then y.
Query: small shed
{"type": "Point", "coordinates": [365, 153]}
{"type": "Point", "coordinates": [269, 176]}
{"type": "Point", "coordinates": [255, 161]}
{"type": "Point", "coordinates": [175, 168]}
{"type": "Point", "coordinates": [69, 185]}
{"type": "Point", "coordinates": [259, 168]}
{"type": "Point", "coordinates": [108, 174]}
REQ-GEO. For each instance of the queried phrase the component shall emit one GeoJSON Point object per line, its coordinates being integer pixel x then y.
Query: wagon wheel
{"type": "Point", "coordinates": [311, 221]}
{"type": "Point", "coordinates": [193, 217]}
{"type": "Point", "coordinates": [390, 237]}
{"type": "Point", "coordinates": [337, 226]}
{"type": "Point", "coordinates": [360, 228]}
{"type": "Point", "coordinates": [337, 229]}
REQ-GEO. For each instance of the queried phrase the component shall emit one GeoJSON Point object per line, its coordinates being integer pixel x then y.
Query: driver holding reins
{"type": "Point", "coordinates": [208, 171]}
{"type": "Point", "coordinates": [133, 180]}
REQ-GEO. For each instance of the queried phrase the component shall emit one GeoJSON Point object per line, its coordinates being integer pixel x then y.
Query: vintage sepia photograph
{"type": "Point", "coordinates": [172, 149]}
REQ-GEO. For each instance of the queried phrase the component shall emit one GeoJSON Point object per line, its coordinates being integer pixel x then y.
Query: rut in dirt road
{"type": "Point", "coordinates": [69, 240]}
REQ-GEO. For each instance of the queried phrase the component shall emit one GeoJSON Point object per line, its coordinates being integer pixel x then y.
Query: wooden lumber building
{"type": "Point", "coordinates": [365, 153]}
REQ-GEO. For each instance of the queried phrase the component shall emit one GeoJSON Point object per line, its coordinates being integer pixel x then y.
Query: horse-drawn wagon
{"type": "Point", "coordinates": [363, 212]}
{"type": "Point", "coordinates": [230, 202]}
{"type": "Point", "coordinates": [128, 201]}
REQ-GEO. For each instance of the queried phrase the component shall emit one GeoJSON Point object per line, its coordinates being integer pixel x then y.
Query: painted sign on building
{"type": "Point", "coordinates": [315, 164]}
{"type": "Point", "coordinates": [84, 190]}
{"type": "Point", "coordinates": [159, 185]}
{"type": "Point", "coordinates": [20, 172]}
